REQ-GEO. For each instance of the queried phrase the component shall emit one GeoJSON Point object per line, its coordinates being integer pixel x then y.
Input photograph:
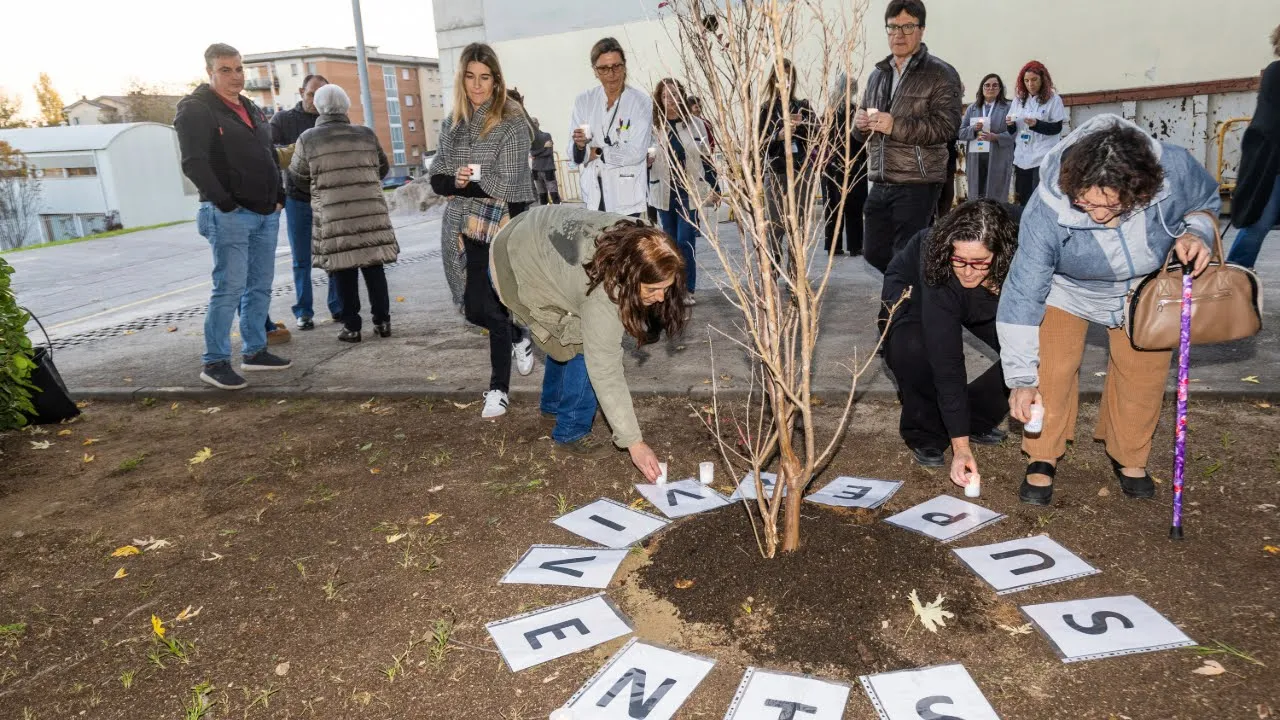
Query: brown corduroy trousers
{"type": "Point", "coordinates": [1131, 396]}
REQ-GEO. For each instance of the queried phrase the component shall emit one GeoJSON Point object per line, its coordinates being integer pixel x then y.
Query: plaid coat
{"type": "Point", "coordinates": [503, 155]}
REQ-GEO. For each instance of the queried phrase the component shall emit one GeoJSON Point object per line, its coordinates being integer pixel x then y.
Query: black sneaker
{"type": "Point", "coordinates": [928, 457]}
{"type": "Point", "coordinates": [382, 329]}
{"type": "Point", "coordinates": [220, 375]}
{"type": "Point", "coordinates": [306, 323]}
{"type": "Point", "coordinates": [263, 360]}
{"type": "Point", "coordinates": [994, 436]}
{"type": "Point", "coordinates": [585, 447]}
{"type": "Point", "coordinates": [349, 336]}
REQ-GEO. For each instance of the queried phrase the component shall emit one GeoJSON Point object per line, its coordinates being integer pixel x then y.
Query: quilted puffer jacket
{"type": "Point", "coordinates": [926, 119]}
{"type": "Point", "coordinates": [341, 165]}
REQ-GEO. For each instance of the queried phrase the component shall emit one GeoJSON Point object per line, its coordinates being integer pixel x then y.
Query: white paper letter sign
{"type": "Point", "coordinates": [945, 692]}
{"type": "Point", "coordinates": [682, 498]}
{"type": "Point", "coordinates": [536, 637]}
{"type": "Point", "coordinates": [641, 681]}
{"type": "Point", "coordinates": [1024, 563]}
{"type": "Point", "coordinates": [767, 695]}
{"type": "Point", "coordinates": [571, 566]}
{"type": "Point", "coordinates": [747, 487]}
{"type": "Point", "coordinates": [610, 523]}
{"type": "Point", "coordinates": [945, 518]}
{"type": "Point", "coordinates": [1104, 627]}
{"type": "Point", "coordinates": [855, 492]}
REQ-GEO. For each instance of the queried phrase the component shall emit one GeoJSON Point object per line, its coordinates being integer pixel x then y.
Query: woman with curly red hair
{"type": "Point", "coordinates": [1036, 119]}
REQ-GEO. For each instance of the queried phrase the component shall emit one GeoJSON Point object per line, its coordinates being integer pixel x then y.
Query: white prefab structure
{"type": "Point", "coordinates": [95, 178]}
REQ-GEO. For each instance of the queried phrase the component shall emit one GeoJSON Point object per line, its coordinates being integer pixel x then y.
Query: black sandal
{"type": "Point", "coordinates": [1137, 487]}
{"type": "Point", "coordinates": [1037, 494]}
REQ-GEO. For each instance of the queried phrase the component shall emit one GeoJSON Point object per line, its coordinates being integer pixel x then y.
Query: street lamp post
{"type": "Point", "coordinates": [366, 97]}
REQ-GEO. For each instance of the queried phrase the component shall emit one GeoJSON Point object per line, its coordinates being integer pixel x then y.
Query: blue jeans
{"type": "Point", "coordinates": [567, 394]}
{"type": "Point", "coordinates": [244, 266]}
{"type": "Point", "coordinates": [297, 215]}
{"type": "Point", "coordinates": [681, 223]}
{"type": "Point", "coordinates": [1248, 242]}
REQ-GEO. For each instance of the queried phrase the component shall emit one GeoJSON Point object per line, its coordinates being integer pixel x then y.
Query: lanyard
{"type": "Point", "coordinates": [608, 127]}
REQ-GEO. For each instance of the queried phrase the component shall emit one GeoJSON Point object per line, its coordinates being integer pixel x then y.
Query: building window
{"type": "Point", "coordinates": [404, 73]}
{"type": "Point", "coordinates": [408, 100]}
{"type": "Point", "coordinates": [393, 115]}
{"type": "Point", "coordinates": [293, 69]}
{"type": "Point", "coordinates": [389, 80]}
{"type": "Point", "coordinates": [413, 126]}
{"type": "Point", "coordinates": [416, 152]}
{"type": "Point", "coordinates": [82, 172]}
{"type": "Point", "coordinates": [311, 68]}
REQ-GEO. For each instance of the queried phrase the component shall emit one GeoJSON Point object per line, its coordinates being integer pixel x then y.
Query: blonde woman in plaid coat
{"type": "Point", "coordinates": [487, 131]}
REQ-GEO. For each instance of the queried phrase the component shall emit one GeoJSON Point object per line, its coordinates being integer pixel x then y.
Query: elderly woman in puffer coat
{"type": "Point", "coordinates": [342, 165]}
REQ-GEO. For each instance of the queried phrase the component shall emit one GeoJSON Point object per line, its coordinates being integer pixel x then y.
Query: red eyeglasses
{"type": "Point", "coordinates": [959, 262]}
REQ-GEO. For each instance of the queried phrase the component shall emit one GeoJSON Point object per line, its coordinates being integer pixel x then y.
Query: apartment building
{"type": "Point", "coordinates": [408, 103]}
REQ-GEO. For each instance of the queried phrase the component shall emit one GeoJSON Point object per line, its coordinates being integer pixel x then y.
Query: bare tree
{"type": "Point", "coordinates": [19, 198]}
{"type": "Point", "coordinates": [727, 55]}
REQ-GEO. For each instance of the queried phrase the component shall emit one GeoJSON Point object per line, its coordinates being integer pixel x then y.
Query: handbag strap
{"type": "Point", "coordinates": [47, 341]}
{"type": "Point", "coordinates": [1217, 254]}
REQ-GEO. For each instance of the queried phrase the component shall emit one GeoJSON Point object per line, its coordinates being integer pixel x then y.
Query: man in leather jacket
{"type": "Point", "coordinates": [910, 112]}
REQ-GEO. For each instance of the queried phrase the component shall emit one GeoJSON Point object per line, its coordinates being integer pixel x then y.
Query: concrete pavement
{"type": "Point", "coordinates": [135, 328]}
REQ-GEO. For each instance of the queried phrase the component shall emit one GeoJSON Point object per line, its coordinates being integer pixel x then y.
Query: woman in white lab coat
{"type": "Point", "coordinates": [1036, 122]}
{"type": "Point", "coordinates": [612, 131]}
{"type": "Point", "coordinates": [988, 163]}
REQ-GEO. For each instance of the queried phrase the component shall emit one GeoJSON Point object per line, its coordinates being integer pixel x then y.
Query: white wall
{"type": "Point", "coordinates": [143, 177]}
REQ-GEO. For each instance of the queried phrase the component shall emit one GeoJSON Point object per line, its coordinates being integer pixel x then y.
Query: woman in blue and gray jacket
{"type": "Point", "coordinates": [1113, 202]}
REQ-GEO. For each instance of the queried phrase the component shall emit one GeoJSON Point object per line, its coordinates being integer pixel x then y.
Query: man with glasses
{"type": "Point", "coordinates": [612, 130]}
{"type": "Point", "coordinates": [910, 113]}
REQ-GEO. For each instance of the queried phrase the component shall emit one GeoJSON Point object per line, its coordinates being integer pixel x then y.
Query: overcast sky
{"type": "Point", "coordinates": [92, 47]}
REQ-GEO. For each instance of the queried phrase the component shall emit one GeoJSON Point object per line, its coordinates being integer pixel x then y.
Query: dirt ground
{"type": "Point", "coordinates": [340, 560]}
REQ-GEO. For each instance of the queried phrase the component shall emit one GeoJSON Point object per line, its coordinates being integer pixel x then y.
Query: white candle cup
{"type": "Point", "coordinates": [653, 152]}
{"type": "Point", "coordinates": [1036, 424]}
{"type": "Point", "coordinates": [1012, 118]}
{"type": "Point", "coordinates": [475, 171]}
{"type": "Point", "coordinates": [871, 112]}
{"type": "Point", "coordinates": [662, 473]}
{"type": "Point", "coordinates": [586, 130]}
{"type": "Point", "coordinates": [707, 472]}
{"type": "Point", "coordinates": [974, 487]}
{"type": "Point", "coordinates": [975, 121]}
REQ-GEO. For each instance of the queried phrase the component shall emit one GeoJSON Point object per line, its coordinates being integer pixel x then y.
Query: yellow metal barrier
{"type": "Point", "coordinates": [1222, 160]}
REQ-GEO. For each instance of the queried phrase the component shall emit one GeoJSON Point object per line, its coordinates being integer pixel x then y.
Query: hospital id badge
{"type": "Point", "coordinates": [795, 148]}
{"type": "Point", "coordinates": [979, 146]}
{"type": "Point", "coordinates": [1024, 136]}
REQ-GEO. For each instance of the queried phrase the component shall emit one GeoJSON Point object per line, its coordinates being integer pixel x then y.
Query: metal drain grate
{"type": "Point", "coordinates": [169, 318]}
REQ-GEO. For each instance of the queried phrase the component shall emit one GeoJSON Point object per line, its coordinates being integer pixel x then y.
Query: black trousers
{"type": "Point", "coordinates": [893, 214]}
{"type": "Point", "coordinates": [375, 284]}
{"type": "Point", "coordinates": [847, 237]}
{"type": "Point", "coordinates": [1025, 183]}
{"type": "Point", "coordinates": [480, 301]}
{"type": "Point", "coordinates": [947, 193]}
{"type": "Point", "coordinates": [921, 425]}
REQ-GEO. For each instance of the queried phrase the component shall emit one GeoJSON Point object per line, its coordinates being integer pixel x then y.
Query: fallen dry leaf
{"type": "Point", "coordinates": [383, 410]}
{"type": "Point", "coordinates": [1020, 630]}
{"type": "Point", "coordinates": [126, 551]}
{"type": "Point", "coordinates": [374, 471]}
{"type": "Point", "coordinates": [432, 517]}
{"type": "Point", "coordinates": [171, 328]}
{"type": "Point", "coordinates": [684, 584]}
{"type": "Point", "coordinates": [89, 441]}
{"type": "Point", "coordinates": [187, 613]}
{"type": "Point", "coordinates": [431, 377]}
{"type": "Point", "coordinates": [1210, 667]}
{"type": "Point", "coordinates": [130, 332]}
{"type": "Point", "coordinates": [271, 497]}
{"type": "Point", "coordinates": [282, 669]}
{"type": "Point", "coordinates": [151, 543]}
{"type": "Point", "coordinates": [88, 458]}
{"type": "Point", "coordinates": [174, 406]}
{"type": "Point", "coordinates": [1264, 712]}
{"type": "Point", "coordinates": [1103, 492]}
{"type": "Point", "coordinates": [1251, 379]}
{"type": "Point", "coordinates": [396, 538]}
{"type": "Point", "coordinates": [210, 411]}
{"type": "Point", "coordinates": [1271, 549]}
{"type": "Point", "coordinates": [212, 556]}
{"type": "Point", "coordinates": [120, 574]}
{"type": "Point", "coordinates": [1101, 373]}
{"type": "Point", "coordinates": [83, 404]}
{"type": "Point", "coordinates": [1263, 404]}
{"type": "Point", "coordinates": [637, 503]}
{"type": "Point", "coordinates": [201, 456]}
{"type": "Point", "coordinates": [933, 615]}
{"type": "Point", "coordinates": [157, 626]}
{"type": "Point", "coordinates": [1265, 507]}
{"type": "Point", "coordinates": [435, 489]}
{"type": "Point", "coordinates": [40, 444]}
{"type": "Point", "coordinates": [63, 433]}
{"type": "Point", "coordinates": [462, 406]}
{"type": "Point", "coordinates": [399, 298]}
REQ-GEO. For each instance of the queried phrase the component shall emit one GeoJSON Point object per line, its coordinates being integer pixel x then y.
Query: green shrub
{"type": "Point", "coordinates": [15, 357]}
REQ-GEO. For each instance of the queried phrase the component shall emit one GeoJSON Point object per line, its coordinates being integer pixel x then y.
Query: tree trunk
{"type": "Point", "coordinates": [789, 475]}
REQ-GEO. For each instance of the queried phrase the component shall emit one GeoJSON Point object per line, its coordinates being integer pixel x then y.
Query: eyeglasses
{"type": "Point", "coordinates": [993, 85]}
{"type": "Point", "coordinates": [610, 69]}
{"type": "Point", "coordinates": [908, 29]}
{"type": "Point", "coordinates": [1090, 207]}
{"type": "Point", "coordinates": [959, 262]}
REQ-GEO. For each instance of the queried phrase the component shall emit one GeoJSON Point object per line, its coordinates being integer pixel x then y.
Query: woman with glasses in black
{"type": "Point", "coordinates": [954, 272]}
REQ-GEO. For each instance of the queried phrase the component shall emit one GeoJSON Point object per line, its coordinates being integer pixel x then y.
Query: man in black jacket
{"type": "Point", "coordinates": [286, 127]}
{"type": "Point", "coordinates": [227, 153]}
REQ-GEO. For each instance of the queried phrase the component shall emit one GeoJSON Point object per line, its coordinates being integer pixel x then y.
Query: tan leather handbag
{"type": "Point", "coordinates": [1226, 303]}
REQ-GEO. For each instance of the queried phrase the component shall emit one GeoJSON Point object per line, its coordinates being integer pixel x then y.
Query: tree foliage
{"type": "Point", "coordinates": [15, 357]}
{"type": "Point", "coordinates": [51, 114]}
{"type": "Point", "coordinates": [10, 106]}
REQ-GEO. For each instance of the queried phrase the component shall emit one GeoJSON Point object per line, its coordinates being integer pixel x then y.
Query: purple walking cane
{"type": "Point", "coordinates": [1180, 425]}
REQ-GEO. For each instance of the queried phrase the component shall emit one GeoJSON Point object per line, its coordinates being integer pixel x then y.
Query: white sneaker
{"type": "Point", "coordinates": [495, 404]}
{"type": "Point", "coordinates": [523, 353]}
